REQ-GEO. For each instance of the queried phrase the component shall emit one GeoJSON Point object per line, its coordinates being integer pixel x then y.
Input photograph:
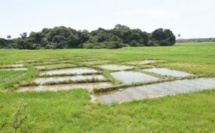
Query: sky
{"type": "Point", "coordinates": [189, 18]}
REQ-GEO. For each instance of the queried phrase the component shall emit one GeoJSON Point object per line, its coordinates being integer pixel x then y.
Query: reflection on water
{"type": "Point", "coordinates": [159, 90]}
{"type": "Point", "coordinates": [69, 78]}
{"type": "Point", "coordinates": [129, 77]}
{"type": "Point", "coordinates": [168, 72]}
{"type": "Point", "coordinates": [88, 86]}
{"type": "Point", "coordinates": [69, 71]}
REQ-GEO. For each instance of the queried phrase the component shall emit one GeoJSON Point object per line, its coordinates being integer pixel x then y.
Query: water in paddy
{"type": "Point", "coordinates": [88, 86]}
{"type": "Point", "coordinates": [116, 67]}
{"type": "Point", "coordinates": [77, 71]}
{"type": "Point", "coordinates": [129, 77]}
{"type": "Point", "coordinates": [159, 90]}
{"type": "Point", "coordinates": [69, 78]}
{"type": "Point", "coordinates": [168, 72]}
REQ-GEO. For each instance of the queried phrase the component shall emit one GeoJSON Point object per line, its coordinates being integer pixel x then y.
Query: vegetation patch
{"type": "Point", "coordinates": [12, 79]}
{"type": "Point", "coordinates": [191, 67]}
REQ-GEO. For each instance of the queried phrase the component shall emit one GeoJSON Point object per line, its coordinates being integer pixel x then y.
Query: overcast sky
{"type": "Point", "coordinates": [190, 18]}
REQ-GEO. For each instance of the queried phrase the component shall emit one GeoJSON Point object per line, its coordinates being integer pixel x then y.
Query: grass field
{"type": "Point", "coordinates": [72, 111]}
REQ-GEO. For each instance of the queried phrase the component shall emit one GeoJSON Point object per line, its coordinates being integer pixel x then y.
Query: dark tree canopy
{"type": "Point", "coordinates": [65, 37]}
{"type": "Point", "coordinates": [163, 37]}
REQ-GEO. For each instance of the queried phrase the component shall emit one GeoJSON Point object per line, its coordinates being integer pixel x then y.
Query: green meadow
{"type": "Point", "coordinates": [72, 111]}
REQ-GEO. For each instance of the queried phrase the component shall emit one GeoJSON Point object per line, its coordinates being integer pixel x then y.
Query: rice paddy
{"type": "Point", "coordinates": [106, 91]}
{"type": "Point", "coordinates": [131, 75]}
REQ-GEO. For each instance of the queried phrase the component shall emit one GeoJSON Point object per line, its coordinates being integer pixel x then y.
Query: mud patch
{"type": "Point", "coordinates": [56, 66]}
{"type": "Point", "coordinates": [115, 67]}
{"type": "Point", "coordinates": [88, 86]}
{"type": "Point", "coordinates": [144, 62]}
{"type": "Point", "coordinates": [12, 66]}
{"type": "Point", "coordinates": [96, 62]}
{"type": "Point", "coordinates": [40, 67]}
{"type": "Point", "coordinates": [14, 69]}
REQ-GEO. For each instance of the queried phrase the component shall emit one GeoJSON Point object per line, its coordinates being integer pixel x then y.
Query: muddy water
{"type": "Point", "coordinates": [12, 66]}
{"type": "Point", "coordinates": [116, 67]}
{"type": "Point", "coordinates": [88, 86]}
{"type": "Point", "coordinates": [142, 62]}
{"type": "Point", "coordinates": [14, 69]}
{"type": "Point", "coordinates": [168, 72]}
{"type": "Point", "coordinates": [159, 90]}
{"type": "Point", "coordinates": [56, 66]}
{"type": "Point", "coordinates": [129, 77]}
{"type": "Point", "coordinates": [97, 62]}
{"type": "Point", "coordinates": [77, 71]}
{"type": "Point", "coordinates": [40, 67]}
{"type": "Point", "coordinates": [69, 78]}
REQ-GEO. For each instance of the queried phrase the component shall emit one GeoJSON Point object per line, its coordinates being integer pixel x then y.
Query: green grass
{"type": "Point", "coordinates": [10, 80]}
{"type": "Point", "coordinates": [72, 111]}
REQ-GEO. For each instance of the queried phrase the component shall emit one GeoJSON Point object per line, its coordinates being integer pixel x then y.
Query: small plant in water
{"type": "Point", "coordinates": [19, 116]}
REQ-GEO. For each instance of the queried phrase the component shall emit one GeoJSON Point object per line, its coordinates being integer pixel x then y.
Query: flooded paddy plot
{"type": "Point", "coordinates": [113, 67]}
{"type": "Point", "coordinates": [167, 72]}
{"type": "Point", "coordinates": [78, 78]}
{"type": "Point", "coordinates": [130, 77]}
{"type": "Point", "coordinates": [159, 90]}
{"type": "Point", "coordinates": [88, 86]}
{"type": "Point", "coordinates": [75, 71]}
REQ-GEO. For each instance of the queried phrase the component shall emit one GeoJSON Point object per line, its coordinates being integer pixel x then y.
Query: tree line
{"type": "Point", "coordinates": [196, 40]}
{"type": "Point", "coordinates": [65, 37]}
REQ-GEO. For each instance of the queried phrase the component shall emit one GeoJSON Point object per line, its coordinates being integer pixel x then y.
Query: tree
{"type": "Point", "coordinates": [65, 37]}
{"type": "Point", "coordinates": [73, 41]}
{"type": "Point", "coordinates": [8, 36]}
{"type": "Point", "coordinates": [23, 35]}
{"type": "Point", "coordinates": [163, 37]}
{"type": "Point", "coordinates": [121, 27]}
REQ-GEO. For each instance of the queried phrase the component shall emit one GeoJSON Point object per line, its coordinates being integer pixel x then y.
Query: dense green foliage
{"type": "Point", "coordinates": [63, 37]}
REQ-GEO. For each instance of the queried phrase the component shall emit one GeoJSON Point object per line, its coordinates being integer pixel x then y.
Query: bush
{"type": "Point", "coordinates": [109, 45]}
